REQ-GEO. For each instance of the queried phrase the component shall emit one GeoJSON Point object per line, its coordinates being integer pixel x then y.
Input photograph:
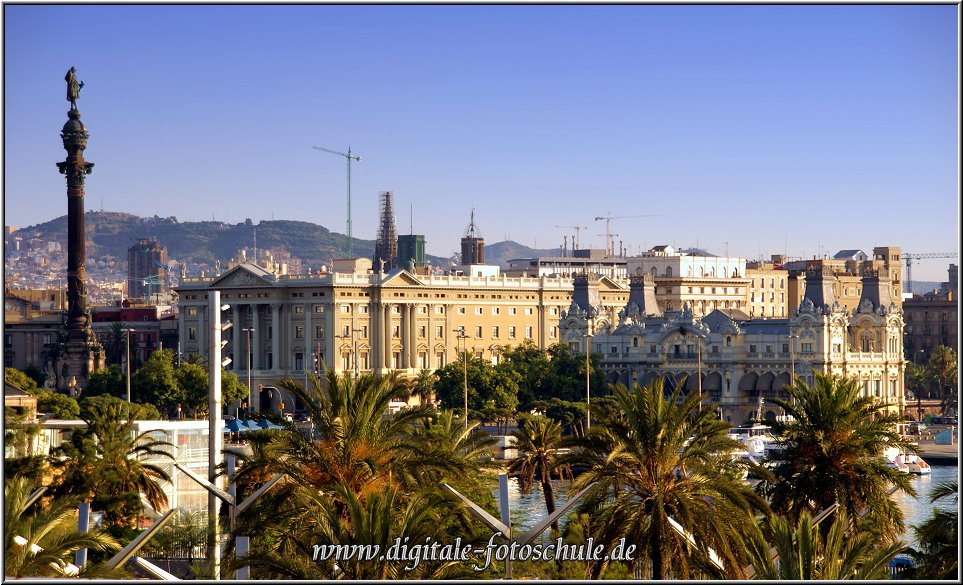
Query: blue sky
{"type": "Point", "coordinates": [757, 129]}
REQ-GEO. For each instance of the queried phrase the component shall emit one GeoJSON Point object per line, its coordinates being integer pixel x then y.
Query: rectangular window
{"type": "Point", "coordinates": [440, 359]}
{"type": "Point", "coordinates": [345, 308]}
{"type": "Point", "coordinates": [807, 347]}
{"type": "Point", "coordinates": [752, 349]}
{"type": "Point", "coordinates": [345, 331]}
{"type": "Point", "coordinates": [299, 331]}
{"type": "Point", "coordinates": [715, 349]}
{"type": "Point", "coordinates": [299, 361]}
{"type": "Point", "coordinates": [495, 332]}
{"type": "Point", "coordinates": [478, 310]}
{"type": "Point", "coordinates": [511, 332]}
{"type": "Point", "coordinates": [440, 310]}
{"type": "Point", "coordinates": [422, 331]}
{"type": "Point", "coordinates": [528, 311]}
{"type": "Point", "coordinates": [395, 360]}
{"type": "Point", "coordinates": [192, 333]}
{"type": "Point", "coordinates": [363, 309]}
{"type": "Point", "coordinates": [396, 331]}
{"type": "Point", "coordinates": [514, 311]}
{"type": "Point", "coordinates": [528, 332]}
{"type": "Point", "coordinates": [439, 331]}
{"type": "Point", "coordinates": [461, 310]}
{"type": "Point", "coordinates": [478, 331]}
{"type": "Point", "coordinates": [652, 348]}
{"type": "Point", "coordinates": [192, 311]}
{"type": "Point", "coordinates": [496, 310]}
{"type": "Point", "coordinates": [318, 331]}
{"type": "Point", "coordinates": [364, 332]}
{"type": "Point", "coordinates": [318, 308]}
{"type": "Point", "coordinates": [553, 332]}
{"type": "Point", "coordinates": [785, 348]}
{"type": "Point", "coordinates": [298, 309]}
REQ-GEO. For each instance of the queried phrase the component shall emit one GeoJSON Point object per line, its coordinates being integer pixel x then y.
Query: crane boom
{"type": "Point", "coordinates": [910, 256]}
{"type": "Point", "coordinates": [609, 245]}
{"type": "Point", "coordinates": [349, 157]}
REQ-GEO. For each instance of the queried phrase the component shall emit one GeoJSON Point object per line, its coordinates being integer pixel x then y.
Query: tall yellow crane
{"type": "Point", "coordinates": [609, 244]}
{"type": "Point", "coordinates": [576, 228]}
{"type": "Point", "coordinates": [909, 257]}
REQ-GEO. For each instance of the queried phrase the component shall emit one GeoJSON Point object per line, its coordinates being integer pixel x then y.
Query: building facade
{"type": "Point", "coordinates": [737, 361]}
{"type": "Point", "coordinates": [368, 321]}
{"type": "Point", "coordinates": [146, 269]}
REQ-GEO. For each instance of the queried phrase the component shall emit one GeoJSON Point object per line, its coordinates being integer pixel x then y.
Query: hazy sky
{"type": "Point", "coordinates": [757, 129]}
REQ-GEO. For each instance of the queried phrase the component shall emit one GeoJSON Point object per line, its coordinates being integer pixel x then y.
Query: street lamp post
{"type": "Point", "coordinates": [128, 332]}
{"type": "Point", "coordinates": [463, 338]}
{"type": "Point", "coordinates": [919, 397]}
{"type": "Point", "coordinates": [249, 331]}
{"type": "Point", "coordinates": [588, 394]}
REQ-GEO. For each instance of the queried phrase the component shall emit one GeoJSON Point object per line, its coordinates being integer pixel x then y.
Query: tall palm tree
{"type": "Point", "coordinates": [106, 463]}
{"type": "Point", "coordinates": [52, 529]}
{"type": "Point", "coordinates": [939, 556]}
{"type": "Point", "coordinates": [943, 366]}
{"type": "Point", "coordinates": [654, 458]}
{"type": "Point", "coordinates": [832, 452]}
{"type": "Point", "coordinates": [538, 441]}
{"type": "Point", "coordinates": [801, 553]}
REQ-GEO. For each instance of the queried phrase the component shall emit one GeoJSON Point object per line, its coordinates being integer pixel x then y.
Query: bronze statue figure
{"type": "Point", "coordinates": [73, 88]}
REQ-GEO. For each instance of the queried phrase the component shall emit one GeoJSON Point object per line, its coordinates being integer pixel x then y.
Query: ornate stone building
{"type": "Point", "coordinates": [374, 321]}
{"type": "Point", "coordinates": [737, 361]}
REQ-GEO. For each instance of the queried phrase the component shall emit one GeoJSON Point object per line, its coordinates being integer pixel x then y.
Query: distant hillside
{"type": "Point", "coordinates": [110, 234]}
{"type": "Point", "coordinates": [502, 252]}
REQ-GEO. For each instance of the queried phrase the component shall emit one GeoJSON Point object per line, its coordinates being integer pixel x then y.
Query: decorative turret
{"type": "Point", "coordinates": [875, 293]}
{"type": "Point", "coordinates": [585, 295]}
{"type": "Point", "coordinates": [819, 287]}
{"type": "Point", "coordinates": [642, 301]}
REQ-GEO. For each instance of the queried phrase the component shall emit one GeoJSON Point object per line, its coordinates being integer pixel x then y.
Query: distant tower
{"type": "Point", "coordinates": [81, 354]}
{"type": "Point", "coordinates": [386, 247]}
{"type": "Point", "coordinates": [146, 263]}
{"type": "Point", "coordinates": [472, 245]}
{"type": "Point", "coordinates": [411, 248]}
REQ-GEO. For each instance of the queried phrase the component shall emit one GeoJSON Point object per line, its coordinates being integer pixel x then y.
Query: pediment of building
{"type": "Point", "coordinates": [400, 277]}
{"type": "Point", "coordinates": [242, 276]}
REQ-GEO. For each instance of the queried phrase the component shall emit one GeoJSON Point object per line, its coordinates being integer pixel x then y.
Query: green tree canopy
{"type": "Point", "coordinates": [491, 388]}
{"type": "Point", "coordinates": [21, 380]}
{"type": "Point", "coordinates": [57, 405]}
{"type": "Point", "coordinates": [111, 381]}
{"type": "Point", "coordinates": [156, 383]}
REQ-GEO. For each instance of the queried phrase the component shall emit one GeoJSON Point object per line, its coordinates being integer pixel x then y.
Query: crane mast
{"type": "Point", "coordinates": [609, 244]}
{"type": "Point", "coordinates": [350, 157]}
{"type": "Point", "coordinates": [909, 257]}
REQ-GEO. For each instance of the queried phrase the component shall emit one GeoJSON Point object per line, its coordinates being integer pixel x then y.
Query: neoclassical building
{"type": "Point", "coordinates": [364, 320]}
{"type": "Point", "coordinates": [737, 361]}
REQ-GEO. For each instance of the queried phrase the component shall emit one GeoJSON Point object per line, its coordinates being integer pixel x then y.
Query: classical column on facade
{"type": "Point", "coordinates": [181, 332]}
{"type": "Point", "coordinates": [411, 337]}
{"type": "Point", "coordinates": [236, 334]}
{"type": "Point", "coordinates": [388, 338]}
{"type": "Point", "coordinates": [309, 348]}
{"type": "Point", "coordinates": [202, 331]}
{"type": "Point", "coordinates": [376, 334]}
{"type": "Point", "coordinates": [256, 337]}
{"type": "Point", "coordinates": [275, 336]}
{"type": "Point", "coordinates": [331, 350]}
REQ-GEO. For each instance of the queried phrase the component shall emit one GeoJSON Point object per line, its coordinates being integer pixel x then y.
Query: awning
{"type": "Point", "coordinates": [781, 381]}
{"type": "Point", "coordinates": [712, 382]}
{"type": "Point", "coordinates": [765, 382]}
{"type": "Point", "coordinates": [748, 382]}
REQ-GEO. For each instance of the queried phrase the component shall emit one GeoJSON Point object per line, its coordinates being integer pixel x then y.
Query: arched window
{"type": "Point", "coordinates": [689, 271]}
{"type": "Point", "coordinates": [701, 272]}
{"type": "Point", "coordinates": [712, 272]}
{"type": "Point", "coordinates": [735, 273]}
{"type": "Point", "coordinates": [654, 271]}
{"type": "Point", "coordinates": [635, 342]}
{"type": "Point", "coordinates": [725, 272]}
{"type": "Point", "coordinates": [728, 341]}
{"type": "Point", "coordinates": [668, 271]}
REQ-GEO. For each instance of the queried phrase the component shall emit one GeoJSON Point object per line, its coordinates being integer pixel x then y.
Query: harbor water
{"type": "Point", "coordinates": [528, 509]}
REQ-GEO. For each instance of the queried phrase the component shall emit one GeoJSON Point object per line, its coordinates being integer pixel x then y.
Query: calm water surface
{"type": "Point", "coordinates": [528, 509]}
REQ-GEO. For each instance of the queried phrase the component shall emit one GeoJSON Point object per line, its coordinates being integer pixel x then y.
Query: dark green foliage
{"type": "Point", "coordinates": [56, 405]}
{"type": "Point", "coordinates": [832, 453]}
{"type": "Point", "coordinates": [21, 380]}
{"type": "Point", "coordinates": [939, 554]}
{"type": "Point", "coordinates": [490, 388]}
{"type": "Point", "coordinates": [110, 381]}
{"type": "Point", "coordinates": [101, 463]}
{"type": "Point", "coordinates": [156, 383]}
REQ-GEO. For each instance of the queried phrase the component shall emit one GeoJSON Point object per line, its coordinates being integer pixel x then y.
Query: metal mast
{"type": "Point", "coordinates": [350, 157]}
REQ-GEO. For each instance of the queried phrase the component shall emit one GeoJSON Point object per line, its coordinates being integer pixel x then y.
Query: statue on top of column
{"type": "Point", "coordinates": [73, 87]}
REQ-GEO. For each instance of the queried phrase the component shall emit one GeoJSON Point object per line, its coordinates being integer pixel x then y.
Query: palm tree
{"type": "Point", "coordinates": [832, 452]}
{"type": "Point", "coordinates": [939, 538]}
{"type": "Point", "coordinates": [801, 553]}
{"type": "Point", "coordinates": [446, 451]}
{"type": "Point", "coordinates": [538, 441]}
{"type": "Point", "coordinates": [106, 463]}
{"type": "Point", "coordinates": [943, 366]}
{"type": "Point", "coordinates": [424, 385]}
{"type": "Point", "coordinates": [654, 458]}
{"type": "Point", "coordinates": [41, 542]}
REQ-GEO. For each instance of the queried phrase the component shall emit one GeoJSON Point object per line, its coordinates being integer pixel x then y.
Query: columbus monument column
{"type": "Point", "coordinates": [81, 353]}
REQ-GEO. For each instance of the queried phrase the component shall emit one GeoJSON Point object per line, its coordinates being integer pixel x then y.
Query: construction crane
{"type": "Point", "coordinates": [609, 244]}
{"type": "Point", "coordinates": [576, 228]}
{"type": "Point", "coordinates": [350, 157]}
{"type": "Point", "coordinates": [909, 257]}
